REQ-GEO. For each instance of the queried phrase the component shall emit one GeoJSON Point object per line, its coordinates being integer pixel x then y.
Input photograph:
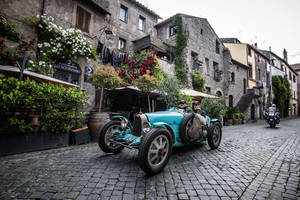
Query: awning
{"type": "Point", "coordinates": [196, 94]}
{"type": "Point", "coordinates": [15, 71]}
{"type": "Point", "coordinates": [153, 94]}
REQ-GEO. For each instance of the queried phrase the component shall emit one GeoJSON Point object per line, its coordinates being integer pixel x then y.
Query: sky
{"type": "Point", "coordinates": [269, 23]}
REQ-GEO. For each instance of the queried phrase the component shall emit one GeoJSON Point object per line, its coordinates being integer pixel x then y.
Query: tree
{"type": "Point", "coordinates": [105, 77]}
{"type": "Point", "coordinates": [213, 107]}
{"type": "Point", "coordinates": [147, 83]}
{"type": "Point", "coordinates": [169, 90]}
{"type": "Point", "coordinates": [282, 92]}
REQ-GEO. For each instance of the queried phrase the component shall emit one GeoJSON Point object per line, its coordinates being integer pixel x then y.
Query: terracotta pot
{"type": "Point", "coordinates": [236, 121]}
{"type": "Point", "coordinates": [95, 122]}
{"type": "Point", "coordinates": [229, 122]}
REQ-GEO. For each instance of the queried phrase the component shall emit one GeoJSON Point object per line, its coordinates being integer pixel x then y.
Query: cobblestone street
{"type": "Point", "coordinates": [252, 162]}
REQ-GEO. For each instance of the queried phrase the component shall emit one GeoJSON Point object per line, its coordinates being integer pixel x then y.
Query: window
{"type": "Point", "coordinates": [230, 101]}
{"type": "Point", "coordinates": [245, 85]}
{"type": "Point", "coordinates": [201, 31]}
{"type": "Point", "coordinates": [208, 90]}
{"type": "Point", "coordinates": [250, 70]}
{"type": "Point", "coordinates": [268, 78]}
{"type": "Point", "coordinates": [122, 44]}
{"type": "Point", "coordinates": [259, 75]}
{"type": "Point", "coordinates": [216, 68]}
{"type": "Point", "coordinates": [294, 78]}
{"type": "Point", "coordinates": [217, 47]}
{"type": "Point", "coordinates": [172, 30]}
{"type": "Point", "coordinates": [207, 65]}
{"type": "Point", "coordinates": [141, 23]}
{"type": "Point", "coordinates": [123, 13]}
{"type": "Point", "coordinates": [232, 77]}
{"type": "Point", "coordinates": [249, 51]}
{"type": "Point", "coordinates": [83, 19]}
{"type": "Point", "coordinates": [194, 58]}
{"type": "Point", "coordinates": [219, 93]}
{"type": "Point", "coordinates": [290, 75]}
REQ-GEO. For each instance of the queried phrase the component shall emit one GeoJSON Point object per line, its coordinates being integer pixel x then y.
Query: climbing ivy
{"type": "Point", "coordinates": [198, 81]}
{"type": "Point", "coordinates": [181, 43]}
{"type": "Point", "coordinates": [282, 93]}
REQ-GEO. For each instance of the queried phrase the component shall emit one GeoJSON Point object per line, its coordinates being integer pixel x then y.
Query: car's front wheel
{"type": "Point", "coordinates": [155, 150]}
{"type": "Point", "coordinates": [106, 136]}
{"type": "Point", "coordinates": [214, 135]}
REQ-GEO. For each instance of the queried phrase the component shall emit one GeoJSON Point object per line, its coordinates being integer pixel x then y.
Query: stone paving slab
{"type": "Point", "coordinates": [253, 162]}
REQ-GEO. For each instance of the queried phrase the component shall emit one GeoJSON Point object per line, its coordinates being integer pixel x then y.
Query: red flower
{"type": "Point", "coordinates": [20, 48]}
{"type": "Point", "coordinates": [157, 56]}
{"type": "Point", "coordinates": [31, 42]}
{"type": "Point", "coordinates": [1, 41]}
{"type": "Point", "coordinates": [12, 58]}
{"type": "Point", "coordinates": [132, 83]}
{"type": "Point", "coordinates": [27, 48]}
{"type": "Point", "coordinates": [147, 50]}
{"type": "Point", "coordinates": [1, 50]}
{"type": "Point", "coordinates": [124, 85]}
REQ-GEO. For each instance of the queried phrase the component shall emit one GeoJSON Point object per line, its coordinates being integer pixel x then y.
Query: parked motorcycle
{"type": "Point", "coordinates": [272, 117]}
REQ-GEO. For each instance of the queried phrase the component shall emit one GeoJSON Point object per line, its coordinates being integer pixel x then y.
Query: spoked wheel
{"type": "Point", "coordinates": [185, 125]}
{"type": "Point", "coordinates": [214, 136]}
{"type": "Point", "coordinates": [155, 150]}
{"type": "Point", "coordinates": [106, 136]}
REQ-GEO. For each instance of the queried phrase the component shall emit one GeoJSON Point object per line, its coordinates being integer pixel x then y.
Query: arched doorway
{"type": "Point", "coordinates": [252, 112]}
{"type": "Point", "coordinates": [230, 101]}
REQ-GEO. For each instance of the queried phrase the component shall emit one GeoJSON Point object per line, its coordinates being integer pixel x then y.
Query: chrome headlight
{"type": "Point", "coordinates": [146, 127]}
{"type": "Point", "coordinates": [124, 123]}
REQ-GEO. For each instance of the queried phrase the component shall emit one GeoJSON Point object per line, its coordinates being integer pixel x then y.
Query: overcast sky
{"type": "Point", "coordinates": [269, 23]}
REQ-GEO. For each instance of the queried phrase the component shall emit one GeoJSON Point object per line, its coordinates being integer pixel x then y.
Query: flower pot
{"type": "Point", "coordinates": [229, 122]}
{"type": "Point", "coordinates": [80, 136]}
{"type": "Point", "coordinates": [13, 144]}
{"type": "Point", "coordinates": [236, 121]}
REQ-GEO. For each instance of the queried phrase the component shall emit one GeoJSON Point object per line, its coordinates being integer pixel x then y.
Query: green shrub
{"type": "Point", "coordinates": [213, 107]}
{"type": "Point", "coordinates": [55, 104]}
{"type": "Point", "coordinates": [198, 81]}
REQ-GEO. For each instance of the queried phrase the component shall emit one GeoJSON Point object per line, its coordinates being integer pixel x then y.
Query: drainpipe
{"type": "Point", "coordinates": [43, 7]}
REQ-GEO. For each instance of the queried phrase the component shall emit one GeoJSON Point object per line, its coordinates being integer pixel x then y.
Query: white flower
{"type": "Point", "coordinates": [39, 45]}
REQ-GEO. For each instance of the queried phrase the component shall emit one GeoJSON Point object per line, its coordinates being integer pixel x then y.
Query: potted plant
{"type": "Point", "coordinates": [104, 77]}
{"type": "Point", "coordinates": [236, 118]}
{"type": "Point", "coordinates": [242, 115]}
{"type": "Point", "coordinates": [80, 133]}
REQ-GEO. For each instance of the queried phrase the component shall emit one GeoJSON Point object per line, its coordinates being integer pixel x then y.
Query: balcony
{"type": "Point", "coordinates": [254, 91]}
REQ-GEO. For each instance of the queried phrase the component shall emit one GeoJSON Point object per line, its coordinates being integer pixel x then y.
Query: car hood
{"type": "Point", "coordinates": [169, 117]}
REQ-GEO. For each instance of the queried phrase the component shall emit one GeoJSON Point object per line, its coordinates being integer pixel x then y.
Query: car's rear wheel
{"type": "Point", "coordinates": [214, 135]}
{"type": "Point", "coordinates": [106, 136]}
{"type": "Point", "coordinates": [155, 150]}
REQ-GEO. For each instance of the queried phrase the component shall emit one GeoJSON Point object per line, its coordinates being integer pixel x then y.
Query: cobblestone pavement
{"type": "Point", "coordinates": [253, 162]}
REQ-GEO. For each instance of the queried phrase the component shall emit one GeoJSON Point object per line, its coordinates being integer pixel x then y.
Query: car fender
{"type": "Point", "coordinates": [120, 117]}
{"type": "Point", "coordinates": [166, 126]}
{"type": "Point", "coordinates": [216, 121]}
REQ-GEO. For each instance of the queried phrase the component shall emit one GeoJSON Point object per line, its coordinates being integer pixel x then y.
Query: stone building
{"type": "Point", "coordinates": [296, 67]}
{"type": "Point", "coordinates": [255, 100]}
{"type": "Point", "coordinates": [124, 20]}
{"type": "Point", "coordinates": [204, 51]}
{"type": "Point", "coordinates": [280, 67]}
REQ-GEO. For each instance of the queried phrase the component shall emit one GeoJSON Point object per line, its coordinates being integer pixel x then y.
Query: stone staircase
{"type": "Point", "coordinates": [246, 99]}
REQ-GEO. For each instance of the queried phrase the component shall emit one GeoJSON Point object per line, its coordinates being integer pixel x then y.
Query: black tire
{"type": "Point", "coordinates": [214, 136]}
{"type": "Point", "coordinates": [103, 137]}
{"type": "Point", "coordinates": [149, 142]}
{"type": "Point", "coordinates": [183, 126]}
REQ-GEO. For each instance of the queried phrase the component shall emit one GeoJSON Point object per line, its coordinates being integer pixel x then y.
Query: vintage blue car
{"type": "Point", "coordinates": [155, 134]}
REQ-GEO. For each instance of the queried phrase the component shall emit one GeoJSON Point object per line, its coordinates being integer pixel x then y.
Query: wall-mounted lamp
{"type": "Point", "coordinates": [107, 31]}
